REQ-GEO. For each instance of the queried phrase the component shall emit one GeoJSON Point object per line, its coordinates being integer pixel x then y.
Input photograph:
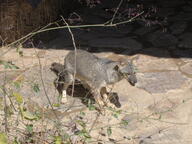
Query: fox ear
{"type": "Point", "coordinates": [123, 61]}
{"type": "Point", "coordinates": [113, 65]}
{"type": "Point", "coordinates": [116, 67]}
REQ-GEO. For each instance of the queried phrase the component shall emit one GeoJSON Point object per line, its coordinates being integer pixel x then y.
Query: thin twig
{"type": "Point", "coordinates": [44, 29]}
{"type": "Point", "coordinates": [75, 62]}
{"type": "Point", "coordinates": [25, 38]}
{"type": "Point", "coordinates": [130, 20]}
{"type": "Point", "coordinates": [5, 105]}
{"type": "Point", "coordinates": [75, 49]}
{"type": "Point", "coordinates": [6, 86]}
{"type": "Point", "coordinates": [94, 122]}
{"type": "Point", "coordinates": [116, 11]}
{"type": "Point", "coordinates": [43, 84]}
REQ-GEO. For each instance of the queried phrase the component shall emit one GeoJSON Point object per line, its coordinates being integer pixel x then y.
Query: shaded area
{"type": "Point", "coordinates": [132, 38]}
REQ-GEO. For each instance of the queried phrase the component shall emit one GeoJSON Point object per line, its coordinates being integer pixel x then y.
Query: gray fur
{"type": "Point", "coordinates": [96, 73]}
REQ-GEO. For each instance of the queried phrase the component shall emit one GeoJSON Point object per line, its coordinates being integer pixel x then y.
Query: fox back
{"type": "Point", "coordinates": [99, 71]}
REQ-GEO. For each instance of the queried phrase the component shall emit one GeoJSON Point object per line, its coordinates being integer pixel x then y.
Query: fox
{"type": "Point", "coordinates": [94, 73]}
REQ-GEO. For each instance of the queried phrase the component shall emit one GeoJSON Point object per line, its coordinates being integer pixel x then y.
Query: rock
{"type": "Point", "coordinates": [161, 39]}
{"type": "Point", "coordinates": [163, 107]}
{"type": "Point", "coordinates": [165, 12]}
{"type": "Point", "coordinates": [109, 4]}
{"type": "Point", "coordinates": [171, 4]}
{"type": "Point", "coordinates": [161, 135]}
{"type": "Point", "coordinates": [131, 98]}
{"type": "Point", "coordinates": [185, 40]}
{"type": "Point", "coordinates": [161, 82]}
{"type": "Point", "coordinates": [102, 13]}
{"type": "Point", "coordinates": [132, 122]}
{"type": "Point", "coordinates": [144, 30]}
{"type": "Point", "coordinates": [59, 43]}
{"type": "Point", "coordinates": [125, 29]}
{"type": "Point", "coordinates": [178, 27]}
{"type": "Point", "coordinates": [8, 76]}
{"type": "Point", "coordinates": [93, 20]}
{"type": "Point", "coordinates": [182, 16]}
{"type": "Point", "coordinates": [158, 61]}
{"type": "Point", "coordinates": [64, 41]}
{"type": "Point", "coordinates": [118, 44]}
{"type": "Point", "coordinates": [187, 68]}
{"type": "Point", "coordinates": [184, 54]}
{"type": "Point", "coordinates": [33, 88]}
{"type": "Point", "coordinates": [187, 8]}
{"type": "Point", "coordinates": [104, 32]}
{"type": "Point", "coordinates": [88, 36]}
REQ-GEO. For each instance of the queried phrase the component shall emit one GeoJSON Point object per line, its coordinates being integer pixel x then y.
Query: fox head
{"type": "Point", "coordinates": [127, 70]}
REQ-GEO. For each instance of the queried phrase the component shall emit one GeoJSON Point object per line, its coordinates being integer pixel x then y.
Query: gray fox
{"type": "Point", "coordinates": [94, 73]}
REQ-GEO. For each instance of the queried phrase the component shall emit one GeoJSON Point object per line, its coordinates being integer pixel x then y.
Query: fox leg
{"type": "Point", "coordinates": [68, 80]}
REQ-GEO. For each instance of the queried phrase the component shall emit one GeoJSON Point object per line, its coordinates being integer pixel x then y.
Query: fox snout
{"type": "Point", "coordinates": [132, 79]}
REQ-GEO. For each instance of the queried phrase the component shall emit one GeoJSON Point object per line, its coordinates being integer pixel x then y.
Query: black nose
{"type": "Point", "coordinates": [132, 80]}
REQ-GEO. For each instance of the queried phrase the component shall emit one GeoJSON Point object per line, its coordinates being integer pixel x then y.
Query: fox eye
{"type": "Point", "coordinates": [116, 68]}
{"type": "Point", "coordinates": [122, 63]}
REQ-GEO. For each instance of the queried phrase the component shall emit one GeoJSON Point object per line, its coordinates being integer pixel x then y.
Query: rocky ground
{"type": "Point", "coordinates": [158, 110]}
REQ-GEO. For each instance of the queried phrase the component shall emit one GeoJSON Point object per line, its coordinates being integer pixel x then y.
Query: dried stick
{"type": "Point", "coordinates": [43, 84]}
{"type": "Point", "coordinates": [44, 29]}
{"type": "Point", "coordinates": [116, 12]}
{"type": "Point", "coordinates": [5, 106]}
{"type": "Point", "coordinates": [75, 48]}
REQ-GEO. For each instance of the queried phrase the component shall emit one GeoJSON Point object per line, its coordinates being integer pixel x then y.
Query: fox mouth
{"type": "Point", "coordinates": [132, 79]}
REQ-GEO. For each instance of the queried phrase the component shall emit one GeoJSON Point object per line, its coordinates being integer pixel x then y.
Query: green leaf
{"type": "Point", "coordinates": [58, 140]}
{"type": "Point", "coordinates": [66, 136]}
{"type": "Point", "coordinates": [29, 128]}
{"type": "Point", "coordinates": [56, 105]}
{"type": "Point", "coordinates": [3, 138]}
{"type": "Point", "coordinates": [81, 123]}
{"type": "Point", "coordinates": [19, 50]}
{"type": "Point", "coordinates": [17, 84]}
{"type": "Point", "coordinates": [109, 131]}
{"type": "Point", "coordinates": [36, 87]}
{"type": "Point", "coordinates": [28, 115]}
{"type": "Point", "coordinates": [124, 122]}
{"type": "Point", "coordinates": [1, 103]}
{"type": "Point", "coordinates": [84, 133]}
{"type": "Point", "coordinates": [18, 97]}
{"type": "Point", "coordinates": [8, 65]}
{"type": "Point", "coordinates": [9, 110]}
{"type": "Point", "coordinates": [91, 106]}
{"type": "Point", "coordinates": [117, 113]}
{"type": "Point", "coordinates": [82, 113]}
{"type": "Point", "coordinates": [16, 141]}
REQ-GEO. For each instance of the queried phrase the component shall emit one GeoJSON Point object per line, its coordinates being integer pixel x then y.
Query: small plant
{"type": "Point", "coordinates": [90, 105]}
{"type": "Point", "coordinates": [16, 141]}
{"type": "Point", "coordinates": [58, 140]}
{"type": "Point", "coordinates": [19, 50]}
{"type": "Point", "coordinates": [124, 122]}
{"type": "Point", "coordinates": [35, 87]}
{"type": "Point", "coordinates": [24, 113]}
{"type": "Point", "coordinates": [115, 113]}
{"type": "Point", "coordinates": [109, 131]}
{"type": "Point", "coordinates": [83, 133]}
{"type": "Point", "coordinates": [29, 135]}
{"type": "Point", "coordinates": [8, 65]}
{"type": "Point", "coordinates": [3, 138]}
